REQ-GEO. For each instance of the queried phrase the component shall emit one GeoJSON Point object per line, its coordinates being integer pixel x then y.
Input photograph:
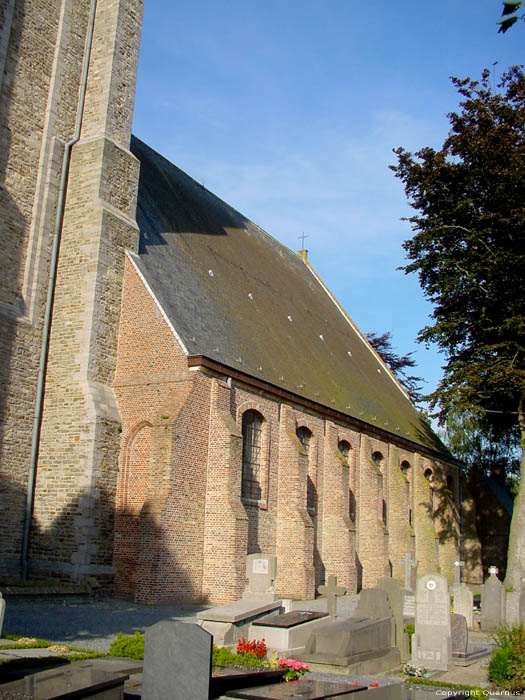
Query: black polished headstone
{"type": "Point", "coordinates": [290, 619]}
{"type": "Point", "coordinates": [303, 689]}
{"type": "Point", "coordinates": [177, 662]}
{"type": "Point", "coordinates": [72, 683]}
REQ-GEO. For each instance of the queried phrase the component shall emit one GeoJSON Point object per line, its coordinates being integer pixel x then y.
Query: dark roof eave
{"type": "Point", "coordinates": [363, 426]}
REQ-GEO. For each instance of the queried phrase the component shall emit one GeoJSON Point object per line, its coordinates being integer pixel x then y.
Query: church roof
{"type": "Point", "coordinates": [237, 296]}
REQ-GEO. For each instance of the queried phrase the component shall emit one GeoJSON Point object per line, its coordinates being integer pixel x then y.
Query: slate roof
{"type": "Point", "coordinates": [239, 297]}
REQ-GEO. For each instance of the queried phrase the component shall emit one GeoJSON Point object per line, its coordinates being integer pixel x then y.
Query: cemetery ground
{"type": "Point", "coordinates": [94, 624]}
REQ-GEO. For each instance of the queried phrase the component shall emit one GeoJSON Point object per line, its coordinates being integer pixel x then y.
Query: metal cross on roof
{"type": "Point", "coordinates": [409, 564]}
{"type": "Point", "coordinates": [302, 237]}
{"type": "Point", "coordinates": [331, 591]}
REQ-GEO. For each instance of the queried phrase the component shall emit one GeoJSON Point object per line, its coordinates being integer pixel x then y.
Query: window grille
{"type": "Point", "coordinates": [251, 455]}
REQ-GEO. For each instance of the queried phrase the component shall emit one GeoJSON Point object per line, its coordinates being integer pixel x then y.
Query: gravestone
{"type": "Point", "coordinates": [410, 571]}
{"type": "Point", "coordinates": [463, 602]}
{"type": "Point", "coordinates": [331, 591]}
{"type": "Point", "coordinates": [492, 602]}
{"type": "Point", "coordinates": [431, 642]}
{"type": "Point", "coordinates": [261, 570]}
{"type": "Point", "coordinates": [177, 662]}
{"type": "Point", "coordinates": [458, 572]}
{"type": "Point", "coordinates": [409, 604]}
{"type": "Point", "coordinates": [354, 644]}
{"type": "Point", "coordinates": [2, 612]}
{"type": "Point", "coordinates": [303, 689]}
{"type": "Point", "coordinates": [395, 601]}
{"type": "Point", "coordinates": [77, 681]}
{"type": "Point", "coordinates": [513, 608]}
{"type": "Point", "coordinates": [228, 623]}
{"type": "Point", "coordinates": [459, 634]}
{"type": "Point", "coordinates": [289, 631]}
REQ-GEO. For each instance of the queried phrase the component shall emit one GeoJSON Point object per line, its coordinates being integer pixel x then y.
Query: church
{"type": "Point", "coordinates": [179, 389]}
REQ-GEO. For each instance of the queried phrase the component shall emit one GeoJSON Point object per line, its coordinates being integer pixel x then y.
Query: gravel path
{"type": "Point", "coordinates": [88, 624]}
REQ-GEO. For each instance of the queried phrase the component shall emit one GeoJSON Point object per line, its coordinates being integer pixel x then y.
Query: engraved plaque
{"type": "Point", "coordinates": [409, 606]}
{"type": "Point", "coordinates": [260, 566]}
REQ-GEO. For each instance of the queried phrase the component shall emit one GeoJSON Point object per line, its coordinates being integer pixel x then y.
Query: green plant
{"type": "Point", "coordinates": [132, 647]}
{"type": "Point", "coordinates": [410, 628]}
{"type": "Point", "coordinates": [507, 664]}
{"type": "Point", "coordinates": [294, 669]}
{"type": "Point", "coordinates": [222, 656]}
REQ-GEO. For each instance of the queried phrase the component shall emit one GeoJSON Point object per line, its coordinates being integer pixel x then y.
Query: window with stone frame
{"type": "Point", "coordinates": [252, 422]}
{"type": "Point", "coordinates": [344, 448]}
{"type": "Point", "coordinates": [379, 461]}
{"type": "Point", "coordinates": [305, 437]}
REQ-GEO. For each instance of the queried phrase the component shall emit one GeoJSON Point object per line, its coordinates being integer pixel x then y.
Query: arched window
{"type": "Point", "coordinates": [377, 458]}
{"type": "Point", "coordinates": [429, 476]}
{"type": "Point", "coordinates": [344, 449]}
{"type": "Point", "coordinates": [305, 436]}
{"type": "Point", "coordinates": [251, 455]}
{"type": "Point", "coordinates": [450, 483]}
{"type": "Point", "coordinates": [405, 467]}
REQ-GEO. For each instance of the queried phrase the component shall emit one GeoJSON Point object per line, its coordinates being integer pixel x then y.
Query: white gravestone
{"type": "Point", "coordinates": [431, 642]}
{"type": "Point", "coordinates": [492, 602]}
{"type": "Point", "coordinates": [410, 571]}
{"type": "Point", "coordinates": [261, 570]}
{"type": "Point", "coordinates": [463, 598]}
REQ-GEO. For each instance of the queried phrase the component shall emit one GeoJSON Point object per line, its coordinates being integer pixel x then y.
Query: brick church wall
{"type": "Point", "coordinates": [38, 101]}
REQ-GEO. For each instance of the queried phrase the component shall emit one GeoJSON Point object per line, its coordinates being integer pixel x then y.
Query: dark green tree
{"type": "Point", "coordinates": [468, 251]}
{"type": "Point", "coordinates": [510, 14]}
{"type": "Point", "coordinates": [399, 364]}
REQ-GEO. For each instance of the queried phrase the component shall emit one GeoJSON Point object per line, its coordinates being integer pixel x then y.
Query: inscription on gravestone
{"type": "Point", "coordinates": [431, 643]}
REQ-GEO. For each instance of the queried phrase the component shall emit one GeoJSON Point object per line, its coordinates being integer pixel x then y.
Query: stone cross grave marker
{"type": "Point", "coordinates": [177, 662]}
{"type": "Point", "coordinates": [458, 566]}
{"type": "Point", "coordinates": [261, 570]}
{"type": "Point", "coordinates": [331, 591]}
{"type": "Point", "coordinates": [431, 642]}
{"type": "Point", "coordinates": [492, 601]}
{"type": "Point", "coordinates": [410, 571]}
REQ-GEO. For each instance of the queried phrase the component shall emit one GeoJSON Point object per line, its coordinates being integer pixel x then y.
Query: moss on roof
{"type": "Point", "coordinates": [237, 296]}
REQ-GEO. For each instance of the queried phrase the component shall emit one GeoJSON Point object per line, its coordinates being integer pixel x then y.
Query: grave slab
{"type": "Point", "coordinates": [228, 623]}
{"type": "Point", "coordinates": [304, 689]}
{"type": "Point", "coordinates": [72, 683]}
{"type": "Point", "coordinates": [395, 601]}
{"type": "Point", "coordinates": [2, 612]}
{"type": "Point", "coordinates": [287, 631]}
{"type": "Point", "coordinates": [458, 634]}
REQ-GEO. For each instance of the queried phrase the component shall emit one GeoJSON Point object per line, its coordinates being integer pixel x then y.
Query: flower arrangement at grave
{"type": "Point", "coordinates": [416, 671]}
{"type": "Point", "coordinates": [295, 669]}
{"type": "Point", "coordinates": [257, 647]}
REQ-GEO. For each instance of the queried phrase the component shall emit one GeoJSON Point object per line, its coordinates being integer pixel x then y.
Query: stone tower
{"type": "Point", "coordinates": [68, 186]}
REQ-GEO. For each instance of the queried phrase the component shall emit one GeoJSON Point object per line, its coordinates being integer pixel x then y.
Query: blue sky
{"type": "Point", "coordinates": [289, 111]}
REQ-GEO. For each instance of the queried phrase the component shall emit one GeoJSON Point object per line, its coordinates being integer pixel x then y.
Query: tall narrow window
{"type": "Point", "coordinates": [344, 449]}
{"type": "Point", "coordinates": [251, 455]}
{"type": "Point", "coordinates": [305, 436]}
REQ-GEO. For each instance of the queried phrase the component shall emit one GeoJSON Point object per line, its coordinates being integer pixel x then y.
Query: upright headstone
{"type": "Point", "coordinates": [431, 642]}
{"type": "Point", "coordinates": [492, 602]}
{"type": "Point", "coordinates": [410, 571]}
{"type": "Point", "coordinates": [512, 604]}
{"type": "Point", "coordinates": [458, 571]}
{"type": "Point", "coordinates": [177, 662]}
{"type": "Point", "coordinates": [463, 602]}
{"type": "Point", "coordinates": [395, 600]}
{"type": "Point", "coordinates": [459, 634]}
{"type": "Point", "coordinates": [2, 612]}
{"type": "Point", "coordinates": [261, 570]}
{"type": "Point", "coordinates": [331, 591]}
{"type": "Point", "coordinates": [462, 594]}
